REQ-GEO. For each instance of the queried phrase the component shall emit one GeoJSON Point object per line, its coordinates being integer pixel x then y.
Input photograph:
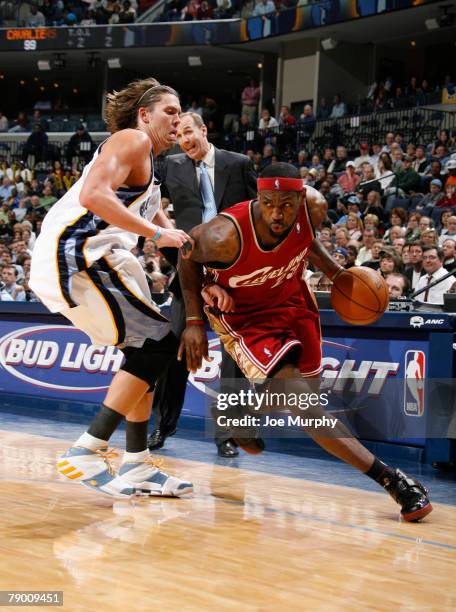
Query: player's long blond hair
{"type": "Point", "coordinates": [122, 106]}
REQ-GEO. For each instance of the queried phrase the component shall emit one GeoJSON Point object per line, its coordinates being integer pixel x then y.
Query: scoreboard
{"type": "Point", "coordinates": [67, 38]}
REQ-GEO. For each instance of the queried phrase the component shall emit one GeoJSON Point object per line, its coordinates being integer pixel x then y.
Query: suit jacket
{"type": "Point", "coordinates": [408, 272]}
{"type": "Point", "coordinates": [234, 180]}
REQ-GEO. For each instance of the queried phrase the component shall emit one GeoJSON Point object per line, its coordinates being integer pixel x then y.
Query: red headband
{"type": "Point", "coordinates": [280, 184]}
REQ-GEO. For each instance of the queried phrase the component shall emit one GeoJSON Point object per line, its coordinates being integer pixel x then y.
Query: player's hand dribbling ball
{"type": "Point", "coordinates": [359, 295]}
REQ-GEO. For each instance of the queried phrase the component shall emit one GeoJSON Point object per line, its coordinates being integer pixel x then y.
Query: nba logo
{"type": "Point", "coordinates": [276, 184]}
{"type": "Point", "coordinates": [415, 362]}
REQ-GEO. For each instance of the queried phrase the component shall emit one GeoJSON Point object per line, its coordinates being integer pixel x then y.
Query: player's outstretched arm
{"type": "Point", "coordinates": [213, 242]}
{"type": "Point", "coordinates": [116, 165]}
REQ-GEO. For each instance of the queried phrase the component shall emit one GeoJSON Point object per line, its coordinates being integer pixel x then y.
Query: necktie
{"type": "Point", "coordinates": [207, 194]}
{"type": "Point", "coordinates": [426, 293]}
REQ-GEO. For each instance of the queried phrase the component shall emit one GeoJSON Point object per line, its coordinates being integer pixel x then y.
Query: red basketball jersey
{"type": "Point", "coordinates": [259, 278]}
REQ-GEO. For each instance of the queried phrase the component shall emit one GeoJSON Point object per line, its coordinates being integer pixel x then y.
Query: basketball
{"type": "Point", "coordinates": [360, 297]}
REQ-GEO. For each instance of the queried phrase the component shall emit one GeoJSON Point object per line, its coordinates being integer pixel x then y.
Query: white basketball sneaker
{"type": "Point", "coordinates": [94, 470]}
{"type": "Point", "coordinates": [147, 479]}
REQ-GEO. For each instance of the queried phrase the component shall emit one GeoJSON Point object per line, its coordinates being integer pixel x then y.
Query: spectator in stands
{"type": "Point", "coordinates": [36, 19]}
{"type": "Point", "coordinates": [390, 263]}
{"type": "Point", "coordinates": [4, 124]}
{"type": "Point", "coordinates": [263, 7]}
{"type": "Point", "coordinates": [376, 150]}
{"type": "Point", "coordinates": [20, 123]}
{"type": "Point", "coordinates": [324, 110]}
{"type": "Point", "coordinates": [267, 122]}
{"type": "Point", "coordinates": [407, 182]}
{"type": "Point", "coordinates": [451, 169]}
{"type": "Point", "coordinates": [433, 171]}
{"type": "Point", "coordinates": [429, 237]}
{"type": "Point", "coordinates": [414, 270]}
{"type": "Point", "coordinates": [339, 109]}
{"type": "Point", "coordinates": [36, 145]}
{"type": "Point", "coordinates": [285, 119]}
{"type": "Point", "coordinates": [364, 253]}
{"type": "Point", "coordinates": [420, 162]}
{"type": "Point", "coordinates": [250, 98]}
{"type": "Point", "coordinates": [449, 254]}
{"type": "Point", "coordinates": [442, 222]}
{"type": "Point", "coordinates": [374, 261]}
{"type": "Point", "coordinates": [412, 231]}
{"type": "Point", "coordinates": [433, 266]}
{"type": "Point", "coordinates": [349, 180]}
{"type": "Point", "coordinates": [224, 9]}
{"type": "Point", "coordinates": [48, 198]}
{"type": "Point", "coordinates": [307, 116]}
{"type": "Point", "coordinates": [190, 11]}
{"type": "Point", "coordinates": [80, 145]}
{"type": "Point", "coordinates": [339, 164]}
{"type": "Point", "coordinates": [368, 182]}
{"type": "Point", "coordinates": [397, 285]}
{"type": "Point", "coordinates": [354, 226]}
{"type": "Point", "coordinates": [428, 202]}
{"type": "Point", "coordinates": [399, 101]}
{"type": "Point", "coordinates": [6, 189]}
{"type": "Point", "coordinates": [449, 198]}
{"type": "Point", "coordinates": [205, 11]}
{"type": "Point", "coordinates": [443, 140]}
{"type": "Point", "coordinates": [341, 256]}
{"type": "Point", "coordinates": [128, 13]}
{"type": "Point", "coordinates": [363, 156]}
{"type": "Point", "coordinates": [449, 231]}
{"type": "Point", "coordinates": [341, 237]}
{"type": "Point", "coordinates": [384, 171]}
{"type": "Point", "coordinates": [9, 277]}
{"type": "Point", "coordinates": [389, 139]}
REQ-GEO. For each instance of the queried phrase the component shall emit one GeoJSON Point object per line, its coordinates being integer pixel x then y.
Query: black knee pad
{"type": "Point", "coordinates": [150, 362]}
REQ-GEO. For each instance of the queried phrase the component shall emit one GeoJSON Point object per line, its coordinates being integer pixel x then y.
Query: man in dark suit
{"type": "Point", "coordinates": [415, 270]}
{"type": "Point", "coordinates": [200, 182]}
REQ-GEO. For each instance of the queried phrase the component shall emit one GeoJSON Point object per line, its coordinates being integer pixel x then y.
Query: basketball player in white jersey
{"type": "Point", "coordinates": [82, 267]}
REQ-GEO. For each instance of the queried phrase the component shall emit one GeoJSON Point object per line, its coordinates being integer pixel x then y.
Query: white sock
{"type": "Point", "coordinates": [90, 442]}
{"type": "Point", "coordinates": [135, 457]}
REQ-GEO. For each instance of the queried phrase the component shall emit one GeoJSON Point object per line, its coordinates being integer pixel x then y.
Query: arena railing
{"type": "Point", "coordinates": [416, 125]}
{"type": "Point", "coordinates": [12, 145]}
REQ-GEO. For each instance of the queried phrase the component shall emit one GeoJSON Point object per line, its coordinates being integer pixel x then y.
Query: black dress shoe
{"type": "Point", "coordinates": [227, 449]}
{"type": "Point", "coordinates": [157, 438]}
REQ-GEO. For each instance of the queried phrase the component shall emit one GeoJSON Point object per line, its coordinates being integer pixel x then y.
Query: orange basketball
{"type": "Point", "coordinates": [360, 296]}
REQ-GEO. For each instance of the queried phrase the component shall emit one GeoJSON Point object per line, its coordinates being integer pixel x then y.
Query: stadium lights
{"type": "Point", "coordinates": [114, 62]}
{"type": "Point", "coordinates": [329, 44]}
{"type": "Point", "coordinates": [44, 64]}
{"type": "Point", "coordinates": [194, 60]}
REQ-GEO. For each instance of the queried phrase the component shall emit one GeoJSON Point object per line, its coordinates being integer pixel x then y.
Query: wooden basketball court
{"type": "Point", "coordinates": [245, 540]}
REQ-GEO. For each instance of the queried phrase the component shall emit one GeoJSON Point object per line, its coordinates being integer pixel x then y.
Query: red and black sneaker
{"type": "Point", "coordinates": [409, 493]}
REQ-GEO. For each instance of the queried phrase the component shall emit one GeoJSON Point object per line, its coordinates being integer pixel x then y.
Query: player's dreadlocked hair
{"type": "Point", "coordinates": [280, 169]}
{"type": "Point", "coordinates": [122, 106]}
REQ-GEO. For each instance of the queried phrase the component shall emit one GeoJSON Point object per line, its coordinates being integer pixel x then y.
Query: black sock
{"type": "Point", "coordinates": [105, 423]}
{"type": "Point", "coordinates": [136, 439]}
{"type": "Point", "coordinates": [380, 472]}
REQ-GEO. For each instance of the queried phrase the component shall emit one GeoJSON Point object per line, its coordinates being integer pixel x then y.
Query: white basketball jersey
{"type": "Point", "coordinates": [72, 238]}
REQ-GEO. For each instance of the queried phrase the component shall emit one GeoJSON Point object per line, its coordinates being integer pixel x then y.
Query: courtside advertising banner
{"type": "Point", "coordinates": [378, 386]}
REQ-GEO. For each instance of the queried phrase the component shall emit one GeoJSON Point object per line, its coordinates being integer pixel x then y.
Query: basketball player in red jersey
{"type": "Point", "coordinates": [255, 252]}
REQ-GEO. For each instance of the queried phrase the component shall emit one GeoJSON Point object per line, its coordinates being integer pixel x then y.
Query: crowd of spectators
{"type": "Point", "coordinates": [391, 207]}
{"type": "Point", "coordinates": [40, 13]}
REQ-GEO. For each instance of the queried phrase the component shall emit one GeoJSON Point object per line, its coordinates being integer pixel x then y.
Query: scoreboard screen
{"type": "Point", "coordinates": [65, 38]}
